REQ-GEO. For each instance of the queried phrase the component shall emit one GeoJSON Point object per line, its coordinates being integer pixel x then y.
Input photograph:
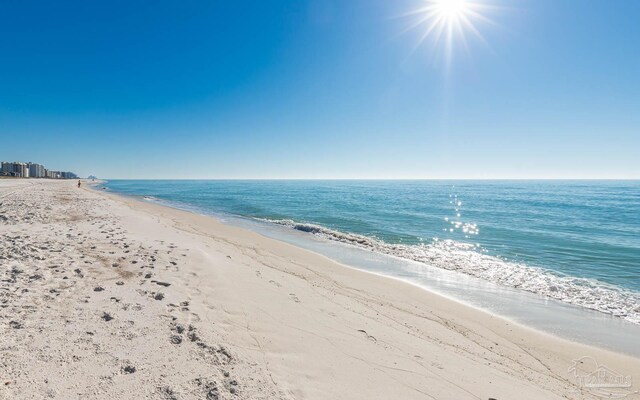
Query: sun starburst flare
{"type": "Point", "coordinates": [446, 22]}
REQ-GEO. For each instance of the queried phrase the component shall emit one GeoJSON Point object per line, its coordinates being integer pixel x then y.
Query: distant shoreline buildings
{"type": "Point", "coordinates": [33, 170]}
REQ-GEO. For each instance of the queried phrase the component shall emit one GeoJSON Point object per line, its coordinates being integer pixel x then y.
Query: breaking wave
{"type": "Point", "coordinates": [465, 258]}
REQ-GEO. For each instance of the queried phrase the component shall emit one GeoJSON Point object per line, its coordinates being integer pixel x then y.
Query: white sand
{"type": "Point", "coordinates": [244, 317]}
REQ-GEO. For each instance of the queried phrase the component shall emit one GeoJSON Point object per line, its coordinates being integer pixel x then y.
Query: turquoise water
{"type": "Point", "coordinates": [574, 241]}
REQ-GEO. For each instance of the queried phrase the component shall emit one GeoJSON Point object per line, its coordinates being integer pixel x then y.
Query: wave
{"type": "Point", "coordinates": [465, 258]}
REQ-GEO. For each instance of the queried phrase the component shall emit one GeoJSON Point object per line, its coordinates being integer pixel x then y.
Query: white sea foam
{"type": "Point", "coordinates": [466, 258]}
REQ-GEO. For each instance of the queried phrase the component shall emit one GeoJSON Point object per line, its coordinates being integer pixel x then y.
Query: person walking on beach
{"type": "Point", "coordinates": [78, 183]}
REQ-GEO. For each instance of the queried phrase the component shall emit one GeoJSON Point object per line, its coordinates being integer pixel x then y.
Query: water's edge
{"type": "Point", "coordinates": [530, 309]}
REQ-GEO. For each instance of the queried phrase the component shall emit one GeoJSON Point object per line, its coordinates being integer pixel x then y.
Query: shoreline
{"type": "Point", "coordinates": [304, 325]}
{"type": "Point", "coordinates": [160, 204]}
{"type": "Point", "coordinates": [565, 320]}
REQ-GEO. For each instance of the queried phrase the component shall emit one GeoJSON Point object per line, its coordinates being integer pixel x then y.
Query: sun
{"type": "Point", "coordinates": [451, 9]}
{"type": "Point", "coordinates": [446, 23]}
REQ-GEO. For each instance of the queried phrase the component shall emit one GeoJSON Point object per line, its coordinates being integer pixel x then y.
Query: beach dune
{"type": "Point", "coordinates": [103, 296]}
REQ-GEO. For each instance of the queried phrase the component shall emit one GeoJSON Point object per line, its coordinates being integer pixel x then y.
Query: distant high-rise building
{"type": "Point", "coordinates": [51, 174]}
{"type": "Point", "coordinates": [68, 175]}
{"type": "Point", "coordinates": [36, 170]}
{"type": "Point", "coordinates": [17, 169]}
{"type": "Point", "coordinates": [32, 170]}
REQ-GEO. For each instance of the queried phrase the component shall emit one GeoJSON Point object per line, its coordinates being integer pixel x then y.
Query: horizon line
{"type": "Point", "coordinates": [377, 179]}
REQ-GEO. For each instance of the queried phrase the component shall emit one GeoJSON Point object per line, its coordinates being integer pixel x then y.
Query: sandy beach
{"type": "Point", "coordinates": [106, 297]}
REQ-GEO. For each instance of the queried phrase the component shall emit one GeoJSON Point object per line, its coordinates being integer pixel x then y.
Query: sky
{"type": "Point", "coordinates": [320, 89]}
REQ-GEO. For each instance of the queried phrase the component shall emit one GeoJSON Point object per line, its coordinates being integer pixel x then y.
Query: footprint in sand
{"type": "Point", "coordinates": [275, 283]}
{"type": "Point", "coordinates": [294, 297]}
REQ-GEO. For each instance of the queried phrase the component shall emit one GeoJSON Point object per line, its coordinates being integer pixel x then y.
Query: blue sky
{"type": "Point", "coordinates": [319, 89]}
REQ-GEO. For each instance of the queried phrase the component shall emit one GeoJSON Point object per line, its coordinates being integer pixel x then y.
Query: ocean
{"type": "Point", "coordinates": [574, 242]}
